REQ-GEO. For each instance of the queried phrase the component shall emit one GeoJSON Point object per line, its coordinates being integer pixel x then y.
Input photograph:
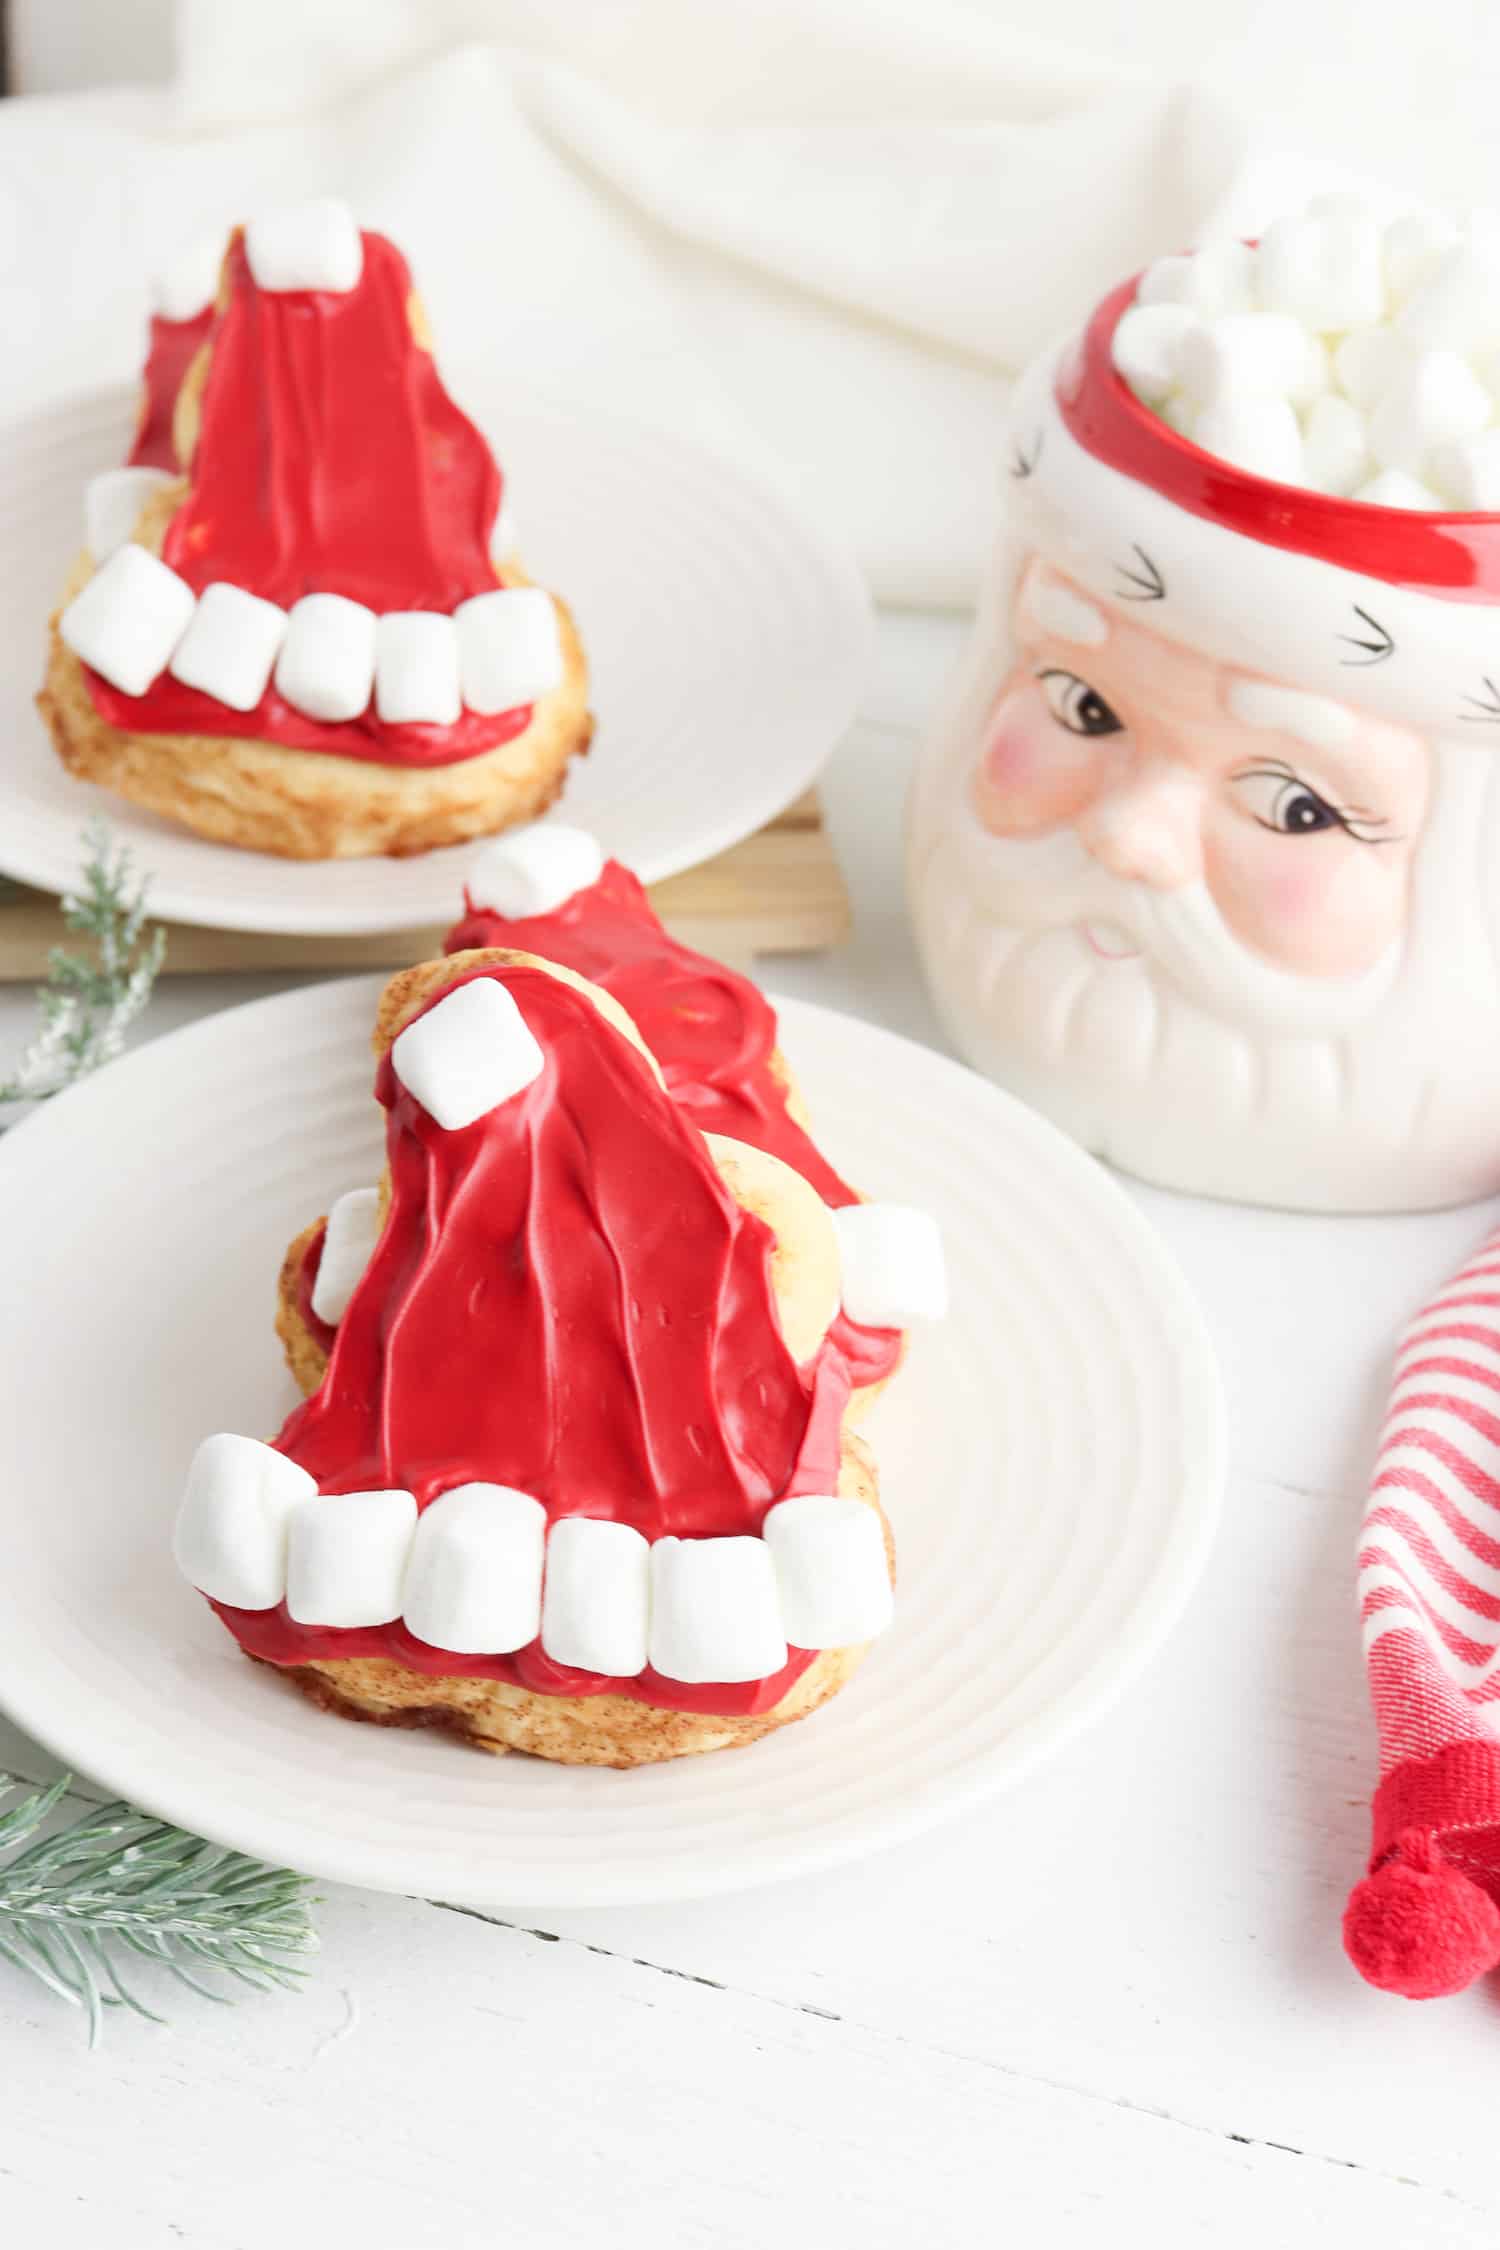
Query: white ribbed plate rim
{"type": "Point", "coordinates": [1051, 1459]}
{"type": "Point", "coordinates": [728, 641]}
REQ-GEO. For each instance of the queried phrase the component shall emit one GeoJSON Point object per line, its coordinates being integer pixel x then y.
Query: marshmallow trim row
{"type": "Point", "coordinates": [893, 1264]}
{"type": "Point", "coordinates": [136, 618]}
{"type": "Point", "coordinates": [478, 1571]}
{"type": "Point", "coordinates": [474, 1049]}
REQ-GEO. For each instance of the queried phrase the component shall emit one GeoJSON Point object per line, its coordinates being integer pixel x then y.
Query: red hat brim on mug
{"type": "Point", "coordinates": [1389, 607]}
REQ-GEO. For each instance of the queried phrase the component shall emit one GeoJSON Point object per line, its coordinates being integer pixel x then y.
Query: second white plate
{"type": "Point", "coordinates": [727, 644]}
{"type": "Point", "coordinates": [1050, 1460]}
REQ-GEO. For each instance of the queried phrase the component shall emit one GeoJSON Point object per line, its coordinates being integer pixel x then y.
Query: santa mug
{"type": "Point", "coordinates": [1204, 850]}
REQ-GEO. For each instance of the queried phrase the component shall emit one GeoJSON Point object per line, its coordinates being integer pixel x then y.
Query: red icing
{"type": "Point", "coordinates": [1454, 555]}
{"type": "Point", "coordinates": [170, 708]}
{"type": "Point", "coordinates": [710, 1028]}
{"type": "Point", "coordinates": [173, 345]}
{"type": "Point", "coordinates": [329, 459]}
{"type": "Point", "coordinates": [566, 1299]}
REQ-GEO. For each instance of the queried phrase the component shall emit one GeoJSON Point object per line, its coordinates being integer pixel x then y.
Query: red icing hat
{"type": "Point", "coordinates": [329, 469]}
{"type": "Point", "coordinates": [566, 1301]}
{"type": "Point", "coordinates": [329, 457]}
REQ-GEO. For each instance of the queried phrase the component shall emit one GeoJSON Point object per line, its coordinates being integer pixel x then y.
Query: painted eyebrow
{"type": "Point", "coordinates": [1316, 721]}
{"type": "Point", "coordinates": [1057, 609]}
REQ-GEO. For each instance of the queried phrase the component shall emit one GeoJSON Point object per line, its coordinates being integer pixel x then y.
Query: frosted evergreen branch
{"type": "Point", "coordinates": [120, 1880]}
{"type": "Point", "coordinates": [88, 1003]}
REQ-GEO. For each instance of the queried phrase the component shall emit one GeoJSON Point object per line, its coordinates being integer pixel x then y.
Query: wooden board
{"type": "Point", "coordinates": [779, 891]}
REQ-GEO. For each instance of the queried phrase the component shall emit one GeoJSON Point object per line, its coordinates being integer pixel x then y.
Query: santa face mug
{"type": "Point", "coordinates": [1204, 849]}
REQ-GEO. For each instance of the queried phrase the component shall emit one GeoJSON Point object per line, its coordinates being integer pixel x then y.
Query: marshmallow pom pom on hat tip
{"type": "Point", "coordinates": [534, 870]}
{"type": "Point", "coordinates": [314, 245]}
{"type": "Point", "coordinates": [466, 1054]}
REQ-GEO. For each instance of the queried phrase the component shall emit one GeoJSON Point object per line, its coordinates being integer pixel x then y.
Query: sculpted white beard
{"type": "Point", "coordinates": [1194, 1064]}
{"type": "Point", "coordinates": [1015, 891]}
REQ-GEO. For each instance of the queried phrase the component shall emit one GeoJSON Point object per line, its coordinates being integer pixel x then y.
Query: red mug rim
{"type": "Point", "coordinates": [1447, 552]}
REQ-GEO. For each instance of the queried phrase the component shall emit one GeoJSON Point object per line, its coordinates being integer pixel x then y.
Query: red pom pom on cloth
{"type": "Point", "coordinates": [1418, 1926]}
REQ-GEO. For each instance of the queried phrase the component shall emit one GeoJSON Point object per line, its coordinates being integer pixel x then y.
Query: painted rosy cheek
{"type": "Point", "coordinates": [1318, 906]}
{"type": "Point", "coordinates": [1010, 760]}
{"type": "Point", "coordinates": [1032, 774]}
{"type": "Point", "coordinates": [1296, 892]}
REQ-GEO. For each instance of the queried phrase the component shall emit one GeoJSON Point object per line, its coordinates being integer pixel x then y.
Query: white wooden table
{"type": "Point", "coordinates": [1110, 2008]}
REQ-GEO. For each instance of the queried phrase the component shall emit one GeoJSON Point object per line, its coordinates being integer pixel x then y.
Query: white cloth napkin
{"type": "Point", "coordinates": [821, 235]}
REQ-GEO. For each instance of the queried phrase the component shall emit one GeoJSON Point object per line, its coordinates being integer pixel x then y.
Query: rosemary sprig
{"type": "Point", "coordinates": [89, 1001]}
{"type": "Point", "coordinates": [120, 1881]}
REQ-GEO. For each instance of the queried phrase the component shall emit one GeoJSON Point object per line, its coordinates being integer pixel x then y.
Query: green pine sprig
{"type": "Point", "coordinates": [90, 1000]}
{"type": "Point", "coordinates": [118, 1882]}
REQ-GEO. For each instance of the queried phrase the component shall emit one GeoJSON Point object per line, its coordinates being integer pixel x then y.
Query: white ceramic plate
{"type": "Point", "coordinates": [727, 644]}
{"type": "Point", "coordinates": [1051, 1460]}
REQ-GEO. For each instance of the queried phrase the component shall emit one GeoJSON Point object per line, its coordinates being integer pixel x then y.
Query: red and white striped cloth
{"type": "Point", "coordinates": [1426, 1920]}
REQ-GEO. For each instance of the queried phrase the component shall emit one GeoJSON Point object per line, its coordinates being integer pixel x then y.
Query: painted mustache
{"type": "Point", "coordinates": [1052, 882]}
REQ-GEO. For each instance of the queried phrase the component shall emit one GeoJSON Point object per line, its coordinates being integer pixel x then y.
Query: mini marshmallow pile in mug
{"type": "Point", "coordinates": [1337, 353]}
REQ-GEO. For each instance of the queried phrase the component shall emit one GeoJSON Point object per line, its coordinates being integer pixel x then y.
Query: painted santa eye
{"type": "Point", "coordinates": [1077, 706]}
{"type": "Point", "coordinates": [1282, 801]}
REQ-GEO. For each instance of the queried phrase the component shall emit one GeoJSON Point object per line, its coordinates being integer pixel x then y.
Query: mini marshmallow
{"type": "Point", "coordinates": [1258, 434]}
{"type": "Point", "coordinates": [346, 1557]}
{"type": "Point", "coordinates": [1468, 474]}
{"type": "Point", "coordinates": [1335, 445]}
{"type": "Point", "coordinates": [1166, 281]}
{"type": "Point", "coordinates": [327, 662]}
{"type": "Point", "coordinates": [596, 1603]}
{"type": "Point", "coordinates": [1248, 354]}
{"type": "Point", "coordinates": [350, 1236]}
{"type": "Point", "coordinates": [893, 1265]}
{"type": "Point", "coordinates": [230, 646]}
{"type": "Point", "coordinates": [1457, 308]}
{"type": "Point", "coordinates": [468, 1054]}
{"type": "Point", "coordinates": [714, 1610]}
{"type": "Point", "coordinates": [1325, 271]}
{"type": "Point", "coordinates": [112, 504]}
{"type": "Point", "coordinates": [1147, 347]}
{"type": "Point", "coordinates": [416, 668]}
{"type": "Point", "coordinates": [128, 619]}
{"type": "Point", "coordinates": [509, 647]}
{"type": "Point", "coordinates": [474, 1580]}
{"type": "Point", "coordinates": [1416, 245]}
{"type": "Point", "coordinates": [1315, 376]}
{"type": "Point", "coordinates": [313, 245]}
{"type": "Point", "coordinates": [534, 870]}
{"type": "Point", "coordinates": [503, 542]}
{"type": "Point", "coordinates": [831, 1572]}
{"type": "Point", "coordinates": [231, 1535]}
{"type": "Point", "coordinates": [1219, 278]}
{"type": "Point", "coordinates": [1366, 362]}
{"type": "Point", "coordinates": [1438, 401]}
{"type": "Point", "coordinates": [1394, 488]}
{"type": "Point", "coordinates": [1342, 203]}
{"type": "Point", "coordinates": [188, 284]}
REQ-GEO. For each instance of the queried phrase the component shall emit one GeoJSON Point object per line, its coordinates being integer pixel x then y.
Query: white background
{"type": "Point", "coordinates": [1110, 2009]}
